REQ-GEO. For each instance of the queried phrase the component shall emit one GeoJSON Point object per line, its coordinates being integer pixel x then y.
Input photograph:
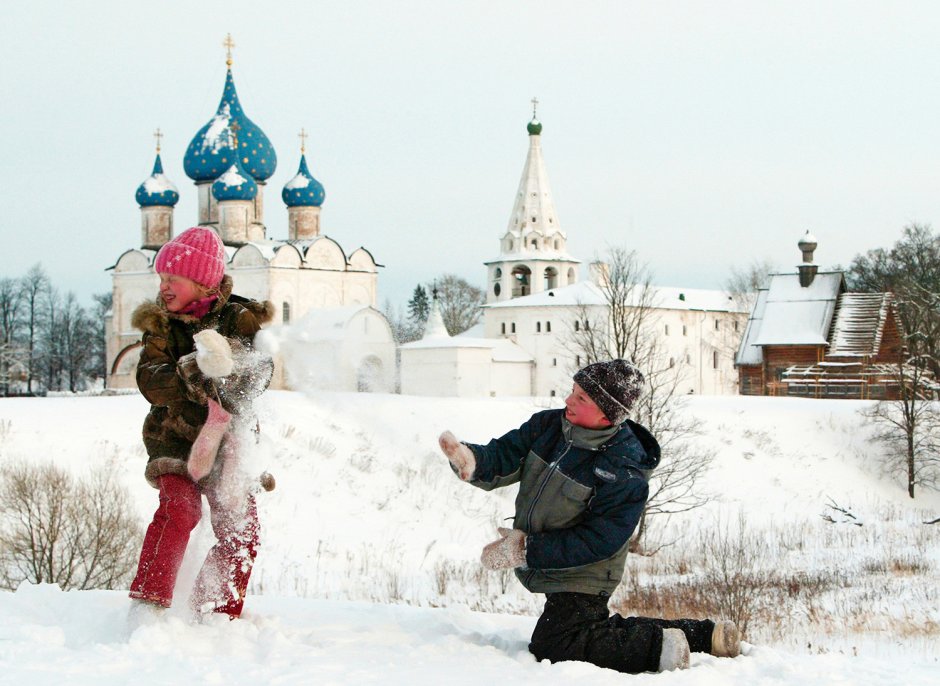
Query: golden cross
{"type": "Point", "coordinates": [228, 44]}
{"type": "Point", "coordinates": [535, 103]}
{"type": "Point", "coordinates": [303, 140]}
{"type": "Point", "coordinates": [159, 136]}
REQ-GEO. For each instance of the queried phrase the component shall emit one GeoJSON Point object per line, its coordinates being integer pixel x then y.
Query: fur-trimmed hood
{"type": "Point", "coordinates": [154, 318]}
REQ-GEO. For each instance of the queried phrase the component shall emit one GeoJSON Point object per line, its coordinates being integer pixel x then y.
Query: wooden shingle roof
{"type": "Point", "coordinates": [858, 324]}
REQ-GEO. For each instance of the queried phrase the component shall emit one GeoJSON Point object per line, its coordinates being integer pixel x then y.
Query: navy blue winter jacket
{"type": "Point", "coordinates": [581, 494]}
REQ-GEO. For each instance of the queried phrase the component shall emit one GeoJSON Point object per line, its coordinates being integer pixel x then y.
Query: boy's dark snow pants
{"type": "Point", "coordinates": [578, 626]}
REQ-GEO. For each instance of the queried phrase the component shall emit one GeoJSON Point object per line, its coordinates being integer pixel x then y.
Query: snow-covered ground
{"type": "Point", "coordinates": [369, 572]}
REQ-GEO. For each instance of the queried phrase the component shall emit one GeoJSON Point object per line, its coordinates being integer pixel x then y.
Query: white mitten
{"type": "Point", "coordinates": [460, 456]}
{"type": "Point", "coordinates": [206, 446]}
{"type": "Point", "coordinates": [213, 354]}
{"type": "Point", "coordinates": [507, 551]}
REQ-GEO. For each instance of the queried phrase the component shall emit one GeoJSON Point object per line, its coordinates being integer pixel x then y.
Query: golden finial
{"type": "Point", "coordinates": [159, 136]}
{"type": "Point", "coordinates": [303, 140]}
{"type": "Point", "coordinates": [228, 44]}
{"type": "Point", "coordinates": [535, 104]}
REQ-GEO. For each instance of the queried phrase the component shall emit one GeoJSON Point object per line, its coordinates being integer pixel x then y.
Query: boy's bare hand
{"type": "Point", "coordinates": [461, 457]}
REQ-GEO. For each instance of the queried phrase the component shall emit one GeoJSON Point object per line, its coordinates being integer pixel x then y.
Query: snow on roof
{"type": "Point", "coordinates": [545, 255]}
{"type": "Point", "coordinates": [267, 248]}
{"type": "Point", "coordinates": [859, 324]}
{"type": "Point", "coordinates": [749, 352]}
{"type": "Point", "coordinates": [503, 349]}
{"type": "Point", "coordinates": [158, 183]}
{"type": "Point", "coordinates": [213, 140]}
{"type": "Point", "coordinates": [231, 177]}
{"type": "Point", "coordinates": [588, 293]}
{"type": "Point", "coordinates": [299, 181]}
{"type": "Point", "coordinates": [795, 315]}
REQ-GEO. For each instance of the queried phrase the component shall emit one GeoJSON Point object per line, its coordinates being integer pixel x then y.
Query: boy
{"type": "Point", "coordinates": [582, 475]}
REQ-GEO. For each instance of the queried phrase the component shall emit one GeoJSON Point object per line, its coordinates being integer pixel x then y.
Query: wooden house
{"type": "Point", "coordinates": [807, 336]}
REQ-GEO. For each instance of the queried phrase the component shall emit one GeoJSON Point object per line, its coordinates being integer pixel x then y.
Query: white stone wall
{"type": "Point", "coordinates": [556, 356]}
{"type": "Point", "coordinates": [286, 279]}
{"type": "Point", "coordinates": [429, 371]}
{"type": "Point", "coordinates": [462, 371]}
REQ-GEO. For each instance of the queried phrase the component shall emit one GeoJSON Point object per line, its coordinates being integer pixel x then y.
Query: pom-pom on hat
{"type": "Point", "coordinates": [613, 386]}
{"type": "Point", "coordinates": [197, 254]}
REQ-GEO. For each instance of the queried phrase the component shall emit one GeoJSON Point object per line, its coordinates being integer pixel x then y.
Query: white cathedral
{"type": "Point", "coordinates": [327, 330]}
{"type": "Point", "coordinates": [535, 300]}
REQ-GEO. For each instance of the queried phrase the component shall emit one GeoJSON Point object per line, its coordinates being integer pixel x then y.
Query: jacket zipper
{"type": "Point", "coordinates": [548, 474]}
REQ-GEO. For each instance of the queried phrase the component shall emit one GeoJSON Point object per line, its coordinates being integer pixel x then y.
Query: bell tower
{"type": "Point", "coordinates": [533, 253]}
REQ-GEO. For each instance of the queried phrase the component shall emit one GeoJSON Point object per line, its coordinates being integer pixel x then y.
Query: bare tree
{"type": "Point", "coordinates": [743, 283]}
{"type": "Point", "coordinates": [33, 288]}
{"type": "Point", "coordinates": [52, 340]}
{"type": "Point", "coordinates": [75, 342]}
{"type": "Point", "coordinates": [460, 302]}
{"type": "Point", "coordinates": [10, 312]}
{"type": "Point", "coordinates": [79, 534]}
{"type": "Point", "coordinates": [908, 269]}
{"type": "Point", "coordinates": [626, 326]}
{"type": "Point", "coordinates": [398, 321]}
{"type": "Point", "coordinates": [910, 425]}
{"type": "Point", "coordinates": [97, 367]}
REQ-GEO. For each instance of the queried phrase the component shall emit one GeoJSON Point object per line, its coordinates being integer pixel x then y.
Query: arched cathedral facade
{"type": "Point", "coordinates": [308, 276]}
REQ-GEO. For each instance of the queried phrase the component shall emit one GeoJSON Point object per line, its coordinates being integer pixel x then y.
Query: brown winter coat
{"type": "Point", "coordinates": [177, 392]}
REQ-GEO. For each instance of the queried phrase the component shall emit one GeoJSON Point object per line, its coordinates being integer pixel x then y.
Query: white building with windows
{"type": "Point", "coordinates": [536, 303]}
{"type": "Point", "coordinates": [308, 276]}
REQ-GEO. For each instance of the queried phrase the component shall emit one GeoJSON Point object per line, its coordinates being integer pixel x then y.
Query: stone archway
{"type": "Point", "coordinates": [521, 281]}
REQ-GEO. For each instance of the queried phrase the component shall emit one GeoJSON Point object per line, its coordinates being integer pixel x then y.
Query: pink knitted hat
{"type": "Point", "coordinates": [197, 254]}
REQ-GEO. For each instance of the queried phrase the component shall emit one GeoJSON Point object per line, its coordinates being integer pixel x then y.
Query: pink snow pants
{"type": "Point", "coordinates": [223, 579]}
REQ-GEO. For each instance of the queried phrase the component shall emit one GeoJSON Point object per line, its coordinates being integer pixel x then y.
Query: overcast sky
{"type": "Point", "coordinates": [702, 134]}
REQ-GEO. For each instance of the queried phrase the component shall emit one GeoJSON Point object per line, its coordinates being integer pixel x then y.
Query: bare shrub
{"type": "Point", "coordinates": [54, 528]}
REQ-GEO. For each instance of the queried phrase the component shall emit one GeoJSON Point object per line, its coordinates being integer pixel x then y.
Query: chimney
{"type": "Point", "coordinates": [807, 269]}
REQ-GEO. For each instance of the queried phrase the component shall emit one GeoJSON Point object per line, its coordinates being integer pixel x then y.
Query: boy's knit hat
{"type": "Point", "coordinates": [613, 386]}
{"type": "Point", "coordinates": [197, 254]}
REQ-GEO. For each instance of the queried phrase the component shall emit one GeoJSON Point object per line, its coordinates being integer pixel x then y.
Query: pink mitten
{"type": "Point", "coordinates": [206, 446]}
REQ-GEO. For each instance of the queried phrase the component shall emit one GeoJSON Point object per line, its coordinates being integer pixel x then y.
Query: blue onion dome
{"type": "Point", "coordinates": [303, 190]}
{"type": "Point", "coordinates": [157, 189]}
{"type": "Point", "coordinates": [235, 184]}
{"type": "Point", "coordinates": [209, 153]}
{"type": "Point", "coordinates": [534, 127]}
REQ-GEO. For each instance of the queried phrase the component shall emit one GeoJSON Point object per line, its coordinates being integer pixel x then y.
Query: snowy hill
{"type": "Point", "coordinates": [54, 638]}
{"type": "Point", "coordinates": [369, 567]}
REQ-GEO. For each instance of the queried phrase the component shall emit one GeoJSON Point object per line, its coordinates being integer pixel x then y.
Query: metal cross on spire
{"type": "Point", "coordinates": [228, 44]}
{"type": "Point", "coordinates": [535, 104]}
{"type": "Point", "coordinates": [303, 140]}
{"type": "Point", "coordinates": [159, 136]}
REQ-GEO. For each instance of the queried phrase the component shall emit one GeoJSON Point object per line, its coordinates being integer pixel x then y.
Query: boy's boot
{"type": "Point", "coordinates": [675, 652]}
{"type": "Point", "coordinates": [726, 639]}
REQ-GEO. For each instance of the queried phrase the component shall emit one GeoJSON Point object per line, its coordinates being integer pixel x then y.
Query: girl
{"type": "Point", "coordinates": [195, 297]}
